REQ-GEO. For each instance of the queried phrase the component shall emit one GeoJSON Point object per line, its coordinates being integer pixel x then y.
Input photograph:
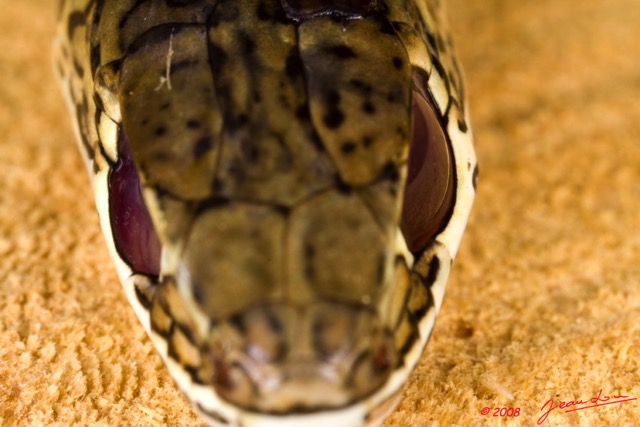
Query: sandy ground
{"type": "Point", "coordinates": [543, 302]}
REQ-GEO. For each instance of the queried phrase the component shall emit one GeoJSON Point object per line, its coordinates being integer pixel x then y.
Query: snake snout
{"type": "Point", "coordinates": [275, 358]}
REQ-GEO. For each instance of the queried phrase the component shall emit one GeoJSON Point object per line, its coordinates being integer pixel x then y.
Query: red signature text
{"type": "Point", "coordinates": [576, 405]}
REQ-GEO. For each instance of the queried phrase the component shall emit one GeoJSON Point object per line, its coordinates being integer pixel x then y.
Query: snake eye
{"type": "Point", "coordinates": [429, 191]}
{"type": "Point", "coordinates": [133, 232]}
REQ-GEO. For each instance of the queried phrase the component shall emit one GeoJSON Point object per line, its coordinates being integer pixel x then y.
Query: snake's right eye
{"type": "Point", "coordinates": [429, 192]}
{"type": "Point", "coordinates": [135, 237]}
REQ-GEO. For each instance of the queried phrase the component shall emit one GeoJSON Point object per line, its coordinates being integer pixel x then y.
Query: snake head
{"type": "Point", "coordinates": [283, 203]}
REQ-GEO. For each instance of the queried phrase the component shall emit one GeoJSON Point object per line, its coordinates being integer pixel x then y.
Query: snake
{"type": "Point", "coordinates": [282, 185]}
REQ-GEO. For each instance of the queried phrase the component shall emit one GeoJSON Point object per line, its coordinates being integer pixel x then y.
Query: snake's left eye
{"type": "Point", "coordinates": [429, 192]}
{"type": "Point", "coordinates": [132, 228]}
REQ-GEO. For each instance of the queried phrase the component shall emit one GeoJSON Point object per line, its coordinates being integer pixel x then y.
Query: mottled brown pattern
{"type": "Point", "coordinates": [271, 145]}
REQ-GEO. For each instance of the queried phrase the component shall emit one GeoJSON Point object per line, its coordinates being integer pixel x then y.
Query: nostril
{"type": "Point", "coordinates": [221, 374]}
{"type": "Point", "coordinates": [381, 358]}
{"type": "Point", "coordinates": [372, 367]}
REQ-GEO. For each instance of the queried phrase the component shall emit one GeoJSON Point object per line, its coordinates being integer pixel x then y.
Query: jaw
{"type": "Point", "coordinates": [277, 359]}
{"type": "Point", "coordinates": [275, 366]}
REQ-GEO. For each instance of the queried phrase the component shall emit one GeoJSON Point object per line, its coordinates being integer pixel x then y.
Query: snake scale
{"type": "Point", "coordinates": [282, 184]}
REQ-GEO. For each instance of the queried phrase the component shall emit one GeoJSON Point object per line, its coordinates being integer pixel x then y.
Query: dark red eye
{"type": "Point", "coordinates": [133, 231]}
{"type": "Point", "coordinates": [429, 192]}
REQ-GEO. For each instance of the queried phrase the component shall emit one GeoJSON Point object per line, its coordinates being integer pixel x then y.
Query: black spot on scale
{"type": "Point", "coordinates": [248, 44]}
{"type": "Point", "coordinates": [462, 125]}
{"type": "Point", "coordinates": [78, 68]}
{"type": "Point", "coordinates": [228, 14]}
{"type": "Point", "coordinates": [160, 131]}
{"type": "Point", "coordinates": [238, 322]}
{"type": "Point", "coordinates": [236, 122]}
{"type": "Point", "coordinates": [142, 298]}
{"type": "Point", "coordinates": [422, 311]}
{"type": "Point", "coordinates": [194, 124]}
{"type": "Point", "coordinates": [250, 152]}
{"type": "Point", "coordinates": [341, 52]}
{"type": "Point", "coordinates": [363, 87]}
{"type": "Point", "coordinates": [94, 56]}
{"type": "Point", "coordinates": [476, 171]}
{"type": "Point", "coordinates": [348, 147]}
{"type": "Point", "coordinates": [334, 117]}
{"type": "Point", "coordinates": [368, 108]}
{"type": "Point", "coordinates": [218, 58]}
{"type": "Point", "coordinates": [390, 171]}
{"type": "Point", "coordinates": [341, 186]}
{"type": "Point", "coordinates": [413, 337]}
{"type": "Point", "coordinates": [267, 12]}
{"type": "Point", "coordinates": [172, 352]}
{"type": "Point", "coordinates": [196, 375]}
{"type": "Point", "coordinates": [157, 327]}
{"type": "Point", "coordinates": [333, 97]}
{"type": "Point", "coordinates": [293, 65]}
{"type": "Point", "coordinates": [262, 13]}
{"type": "Point", "coordinates": [82, 110]}
{"type": "Point", "coordinates": [431, 42]}
{"type": "Point", "coordinates": [218, 186]}
{"type": "Point", "coordinates": [282, 210]}
{"type": "Point", "coordinates": [302, 112]}
{"type": "Point", "coordinates": [188, 333]}
{"type": "Point", "coordinates": [315, 139]}
{"type": "Point", "coordinates": [203, 145]}
{"type": "Point", "coordinates": [453, 79]}
{"type": "Point", "coordinates": [387, 28]}
{"type": "Point", "coordinates": [434, 268]}
{"type": "Point", "coordinates": [76, 20]}
{"type": "Point", "coordinates": [397, 62]}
